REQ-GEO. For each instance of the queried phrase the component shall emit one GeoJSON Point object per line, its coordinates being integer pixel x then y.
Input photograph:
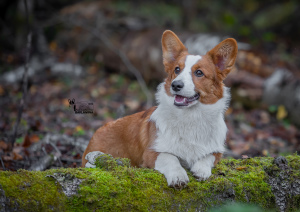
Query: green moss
{"type": "Point", "coordinates": [249, 179]}
{"type": "Point", "coordinates": [124, 188]}
{"type": "Point", "coordinates": [32, 191]}
{"type": "Point", "coordinates": [107, 162]}
{"type": "Point", "coordinates": [294, 161]}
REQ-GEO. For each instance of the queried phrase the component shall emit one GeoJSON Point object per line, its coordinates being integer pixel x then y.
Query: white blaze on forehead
{"type": "Point", "coordinates": [186, 76]}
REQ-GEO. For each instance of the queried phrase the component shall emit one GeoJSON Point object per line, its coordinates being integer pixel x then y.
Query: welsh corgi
{"type": "Point", "coordinates": [187, 128]}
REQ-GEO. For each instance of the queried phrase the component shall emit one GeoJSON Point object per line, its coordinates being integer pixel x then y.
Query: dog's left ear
{"type": "Point", "coordinates": [224, 55]}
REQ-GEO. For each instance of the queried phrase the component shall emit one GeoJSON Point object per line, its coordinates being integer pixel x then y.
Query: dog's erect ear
{"type": "Point", "coordinates": [172, 47]}
{"type": "Point", "coordinates": [224, 55]}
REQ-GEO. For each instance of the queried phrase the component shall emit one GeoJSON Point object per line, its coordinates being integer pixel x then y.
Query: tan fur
{"type": "Point", "coordinates": [132, 136]}
{"type": "Point", "coordinates": [218, 157]}
{"type": "Point", "coordinates": [128, 137]}
{"type": "Point", "coordinates": [210, 86]}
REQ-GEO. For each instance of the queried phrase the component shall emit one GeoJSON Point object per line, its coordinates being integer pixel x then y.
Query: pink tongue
{"type": "Point", "coordinates": [179, 98]}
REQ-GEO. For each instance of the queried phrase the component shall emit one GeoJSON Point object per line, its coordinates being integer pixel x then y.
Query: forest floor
{"type": "Point", "coordinates": [51, 133]}
{"type": "Point", "coordinates": [252, 132]}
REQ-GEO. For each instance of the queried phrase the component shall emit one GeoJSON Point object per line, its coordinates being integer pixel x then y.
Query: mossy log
{"type": "Point", "coordinates": [114, 186]}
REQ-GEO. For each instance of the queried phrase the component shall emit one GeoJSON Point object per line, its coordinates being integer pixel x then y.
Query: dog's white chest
{"type": "Point", "coordinates": [192, 133]}
{"type": "Point", "coordinates": [190, 139]}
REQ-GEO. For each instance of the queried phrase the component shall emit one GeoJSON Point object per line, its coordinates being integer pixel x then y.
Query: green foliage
{"type": "Point", "coordinates": [159, 13]}
{"type": "Point", "coordinates": [274, 15]}
{"type": "Point", "coordinates": [20, 140]}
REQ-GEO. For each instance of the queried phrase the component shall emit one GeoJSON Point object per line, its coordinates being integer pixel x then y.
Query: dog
{"type": "Point", "coordinates": [187, 128]}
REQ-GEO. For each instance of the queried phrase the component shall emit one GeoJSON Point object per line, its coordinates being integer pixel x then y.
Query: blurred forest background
{"type": "Point", "coordinates": [109, 53]}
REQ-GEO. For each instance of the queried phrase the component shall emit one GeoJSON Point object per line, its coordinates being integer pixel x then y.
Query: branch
{"type": "Point", "coordinates": [25, 80]}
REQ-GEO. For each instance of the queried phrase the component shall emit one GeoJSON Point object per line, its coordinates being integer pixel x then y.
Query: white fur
{"type": "Point", "coordinates": [201, 169]}
{"type": "Point", "coordinates": [191, 133]}
{"type": "Point", "coordinates": [169, 165]}
{"type": "Point", "coordinates": [186, 77]}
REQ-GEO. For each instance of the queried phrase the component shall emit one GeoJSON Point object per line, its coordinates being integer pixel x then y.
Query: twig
{"type": "Point", "coordinates": [25, 80]}
{"type": "Point", "coordinates": [43, 163]}
{"type": "Point", "coordinates": [101, 36]}
{"type": "Point", "coordinates": [2, 163]}
{"type": "Point", "coordinates": [58, 153]}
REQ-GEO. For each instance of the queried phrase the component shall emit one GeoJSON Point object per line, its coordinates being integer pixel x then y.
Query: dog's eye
{"type": "Point", "coordinates": [177, 70]}
{"type": "Point", "coordinates": [199, 73]}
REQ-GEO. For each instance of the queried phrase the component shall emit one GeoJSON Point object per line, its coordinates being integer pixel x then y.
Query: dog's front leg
{"type": "Point", "coordinates": [175, 174]}
{"type": "Point", "coordinates": [201, 169]}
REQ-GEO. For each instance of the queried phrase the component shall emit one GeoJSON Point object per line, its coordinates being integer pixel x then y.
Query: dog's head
{"type": "Point", "coordinates": [193, 78]}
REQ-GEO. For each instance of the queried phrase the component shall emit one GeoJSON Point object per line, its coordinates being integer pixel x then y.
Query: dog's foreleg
{"type": "Point", "coordinates": [175, 174]}
{"type": "Point", "coordinates": [201, 169]}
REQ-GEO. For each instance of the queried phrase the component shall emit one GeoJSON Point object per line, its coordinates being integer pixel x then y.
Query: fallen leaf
{"type": "Point", "coordinates": [33, 89]}
{"type": "Point", "coordinates": [79, 128]}
{"type": "Point", "coordinates": [34, 138]}
{"type": "Point", "coordinates": [1, 90]}
{"type": "Point", "coordinates": [265, 152]}
{"type": "Point", "coordinates": [53, 46]}
{"type": "Point", "coordinates": [66, 103]}
{"type": "Point", "coordinates": [241, 168]}
{"type": "Point", "coordinates": [26, 142]}
{"type": "Point", "coordinates": [3, 145]}
{"type": "Point", "coordinates": [17, 156]}
{"type": "Point", "coordinates": [281, 113]}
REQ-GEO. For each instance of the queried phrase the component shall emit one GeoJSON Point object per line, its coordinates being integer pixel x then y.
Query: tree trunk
{"type": "Point", "coordinates": [268, 182]}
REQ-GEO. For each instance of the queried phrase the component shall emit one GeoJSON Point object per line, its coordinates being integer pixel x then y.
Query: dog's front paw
{"type": "Point", "coordinates": [178, 179]}
{"type": "Point", "coordinates": [91, 158]}
{"type": "Point", "coordinates": [202, 173]}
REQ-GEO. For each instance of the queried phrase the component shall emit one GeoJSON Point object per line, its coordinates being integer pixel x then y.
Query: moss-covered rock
{"type": "Point", "coordinates": [118, 187]}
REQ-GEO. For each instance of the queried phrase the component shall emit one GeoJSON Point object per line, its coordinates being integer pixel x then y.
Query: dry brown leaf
{"type": "Point", "coordinates": [26, 142]}
{"type": "Point", "coordinates": [66, 103]}
{"type": "Point", "coordinates": [241, 168]}
{"type": "Point", "coordinates": [34, 138]}
{"type": "Point", "coordinates": [17, 156]}
{"type": "Point", "coordinates": [1, 90]}
{"type": "Point", "coordinates": [3, 145]}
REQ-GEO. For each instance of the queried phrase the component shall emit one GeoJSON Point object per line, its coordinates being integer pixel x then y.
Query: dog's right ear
{"type": "Point", "coordinates": [172, 47]}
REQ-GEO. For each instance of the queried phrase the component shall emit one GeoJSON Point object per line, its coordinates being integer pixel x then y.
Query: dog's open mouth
{"type": "Point", "coordinates": [185, 101]}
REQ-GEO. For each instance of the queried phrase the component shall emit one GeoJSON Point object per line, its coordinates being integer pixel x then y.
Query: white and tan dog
{"type": "Point", "coordinates": [186, 128]}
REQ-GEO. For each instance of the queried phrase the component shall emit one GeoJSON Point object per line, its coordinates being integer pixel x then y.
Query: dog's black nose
{"type": "Point", "coordinates": [177, 85]}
